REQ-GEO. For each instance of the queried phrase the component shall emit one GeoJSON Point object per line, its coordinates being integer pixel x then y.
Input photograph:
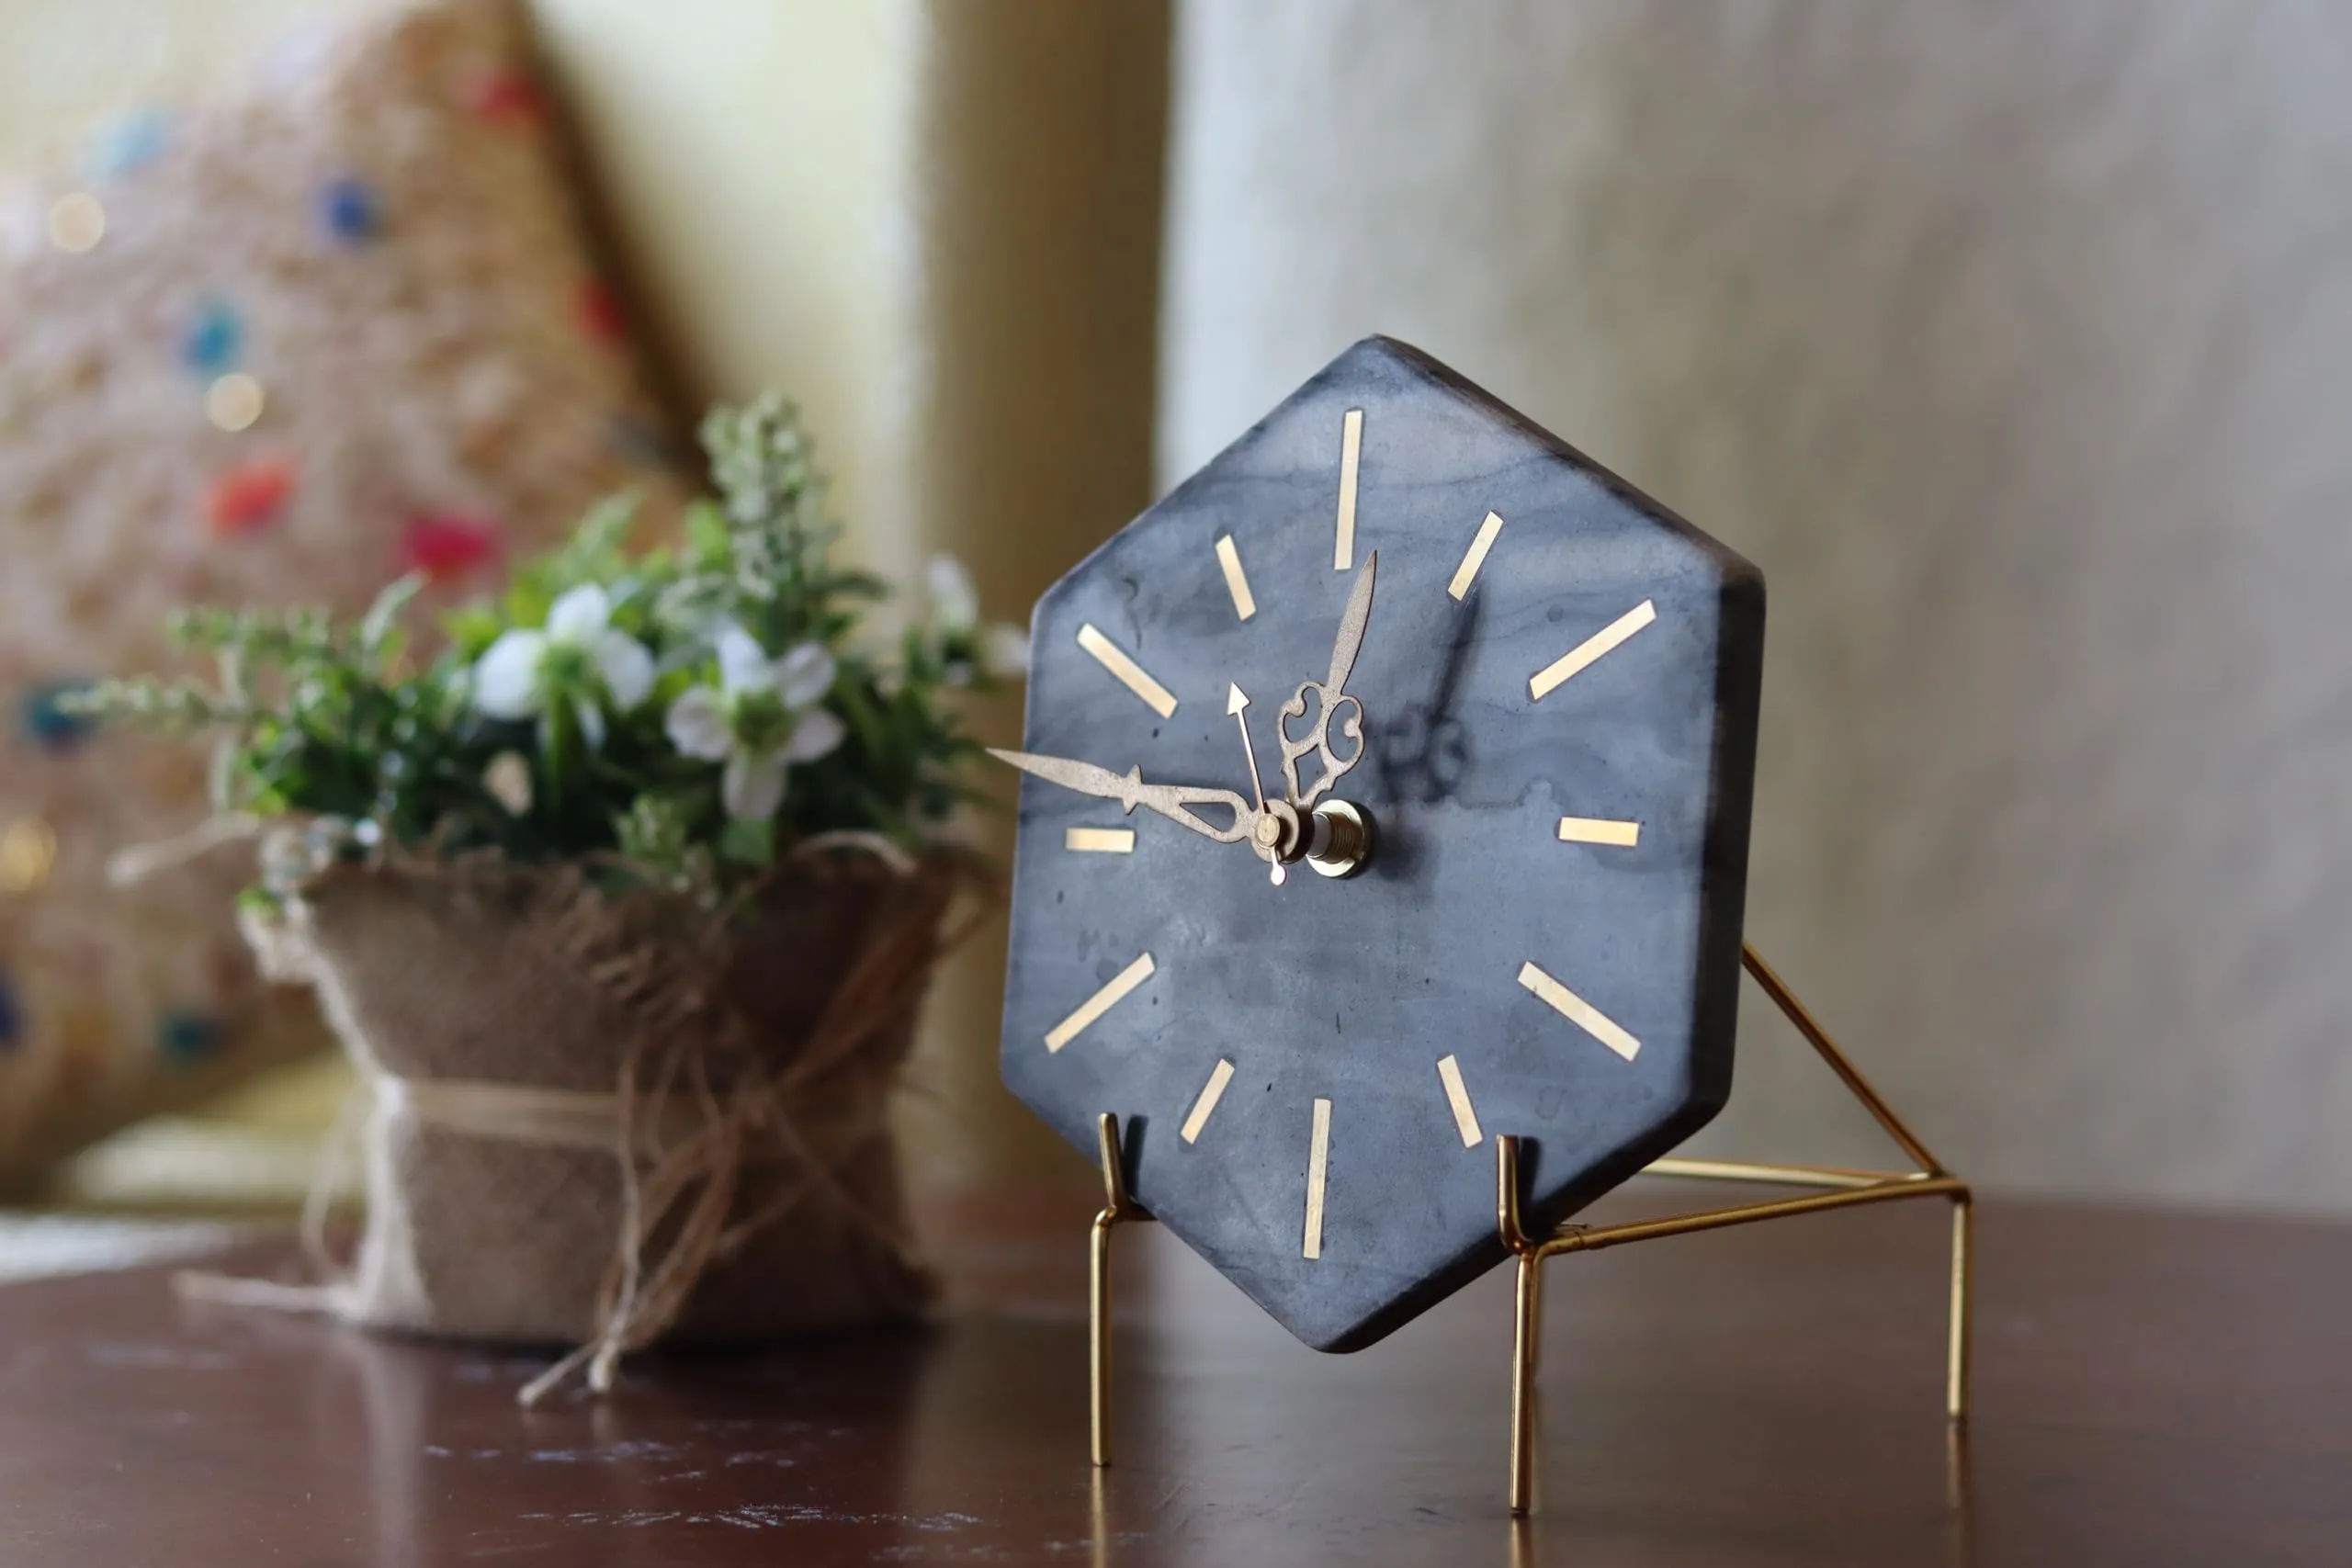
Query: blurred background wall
{"type": "Point", "coordinates": [2013, 341]}
{"type": "Point", "coordinates": [2009, 340]}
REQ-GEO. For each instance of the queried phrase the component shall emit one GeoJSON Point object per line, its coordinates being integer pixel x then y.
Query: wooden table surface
{"type": "Point", "coordinates": [2151, 1389]}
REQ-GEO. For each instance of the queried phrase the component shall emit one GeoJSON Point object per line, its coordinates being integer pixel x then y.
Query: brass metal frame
{"type": "Point", "coordinates": [1837, 1188]}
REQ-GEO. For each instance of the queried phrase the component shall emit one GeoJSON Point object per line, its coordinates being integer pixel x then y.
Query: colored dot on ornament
{"type": "Point", "coordinates": [28, 850]}
{"type": "Point", "coordinates": [233, 401]}
{"type": "Point", "coordinates": [12, 1017]}
{"type": "Point", "coordinates": [77, 222]}
{"type": "Point", "coordinates": [45, 719]}
{"type": "Point", "coordinates": [249, 496]}
{"type": "Point", "coordinates": [505, 97]}
{"type": "Point", "coordinates": [599, 313]}
{"type": "Point", "coordinates": [349, 209]}
{"type": "Point", "coordinates": [214, 339]}
{"type": "Point", "coordinates": [190, 1036]}
{"type": "Point", "coordinates": [129, 143]}
{"type": "Point", "coordinates": [444, 546]}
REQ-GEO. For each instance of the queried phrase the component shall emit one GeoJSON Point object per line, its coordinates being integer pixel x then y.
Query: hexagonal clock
{"type": "Point", "coordinates": [1388, 791]}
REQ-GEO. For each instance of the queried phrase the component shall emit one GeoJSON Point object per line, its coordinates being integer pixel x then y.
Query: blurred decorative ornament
{"type": "Point", "coordinates": [248, 496]}
{"type": "Point", "coordinates": [350, 210]}
{"type": "Point", "coordinates": [12, 1016]}
{"type": "Point", "coordinates": [27, 850]}
{"type": "Point", "coordinates": [46, 723]}
{"type": "Point", "coordinates": [226, 240]}
{"type": "Point", "coordinates": [446, 545]}
{"type": "Point", "coordinates": [187, 1036]}
{"type": "Point", "coordinates": [233, 401]}
{"type": "Point", "coordinates": [215, 338]}
{"type": "Point", "coordinates": [128, 142]}
{"type": "Point", "coordinates": [77, 221]}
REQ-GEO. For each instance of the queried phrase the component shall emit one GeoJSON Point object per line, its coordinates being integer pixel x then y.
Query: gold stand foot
{"type": "Point", "coordinates": [1118, 1207]}
{"type": "Point", "coordinates": [1837, 1189]}
{"type": "Point", "coordinates": [1527, 1351]}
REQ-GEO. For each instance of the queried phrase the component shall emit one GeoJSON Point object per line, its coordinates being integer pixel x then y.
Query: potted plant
{"type": "Point", "coordinates": [622, 902]}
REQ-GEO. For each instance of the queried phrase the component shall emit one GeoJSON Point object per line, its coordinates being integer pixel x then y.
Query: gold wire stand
{"type": "Point", "coordinates": [1837, 1189]}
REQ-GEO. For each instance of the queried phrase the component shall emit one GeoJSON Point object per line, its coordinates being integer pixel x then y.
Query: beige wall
{"type": "Point", "coordinates": [935, 224]}
{"type": "Point", "coordinates": [2014, 342]}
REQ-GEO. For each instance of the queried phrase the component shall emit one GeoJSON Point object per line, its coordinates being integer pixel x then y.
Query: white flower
{"type": "Point", "coordinates": [1001, 650]}
{"type": "Point", "coordinates": [1004, 649]}
{"type": "Point", "coordinates": [577, 656]}
{"type": "Point", "coordinates": [954, 606]}
{"type": "Point", "coordinates": [760, 718]}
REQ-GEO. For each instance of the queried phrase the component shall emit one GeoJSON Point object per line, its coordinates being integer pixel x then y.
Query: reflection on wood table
{"type": "Point", "coordinates": [2151, 1389]}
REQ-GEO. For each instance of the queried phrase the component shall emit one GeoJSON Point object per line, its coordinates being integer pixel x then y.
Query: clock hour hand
{"type": "Point", "coordinates": [1130, 790]}
{"type": "Point", "coordinates": [1333, 698]}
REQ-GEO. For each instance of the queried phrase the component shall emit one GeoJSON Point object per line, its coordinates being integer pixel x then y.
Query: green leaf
{"type": "Point", "coordinates": [527, 603]}
{"type": "Point", "coordinates": [747, 843]}
{"type": "Point", "coordinates": [472, 630]}
{"type": "Point", "coordinates": [383, 617]}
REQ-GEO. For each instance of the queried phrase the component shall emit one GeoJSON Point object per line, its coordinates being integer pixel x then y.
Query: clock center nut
{"type": "Point", "coordinates": [1338, 839]}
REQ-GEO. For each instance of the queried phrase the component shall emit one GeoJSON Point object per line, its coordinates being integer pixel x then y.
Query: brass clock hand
{"type": "Point", "coordinates": [1130, 790]}
{"type": "Point", "coordinates": [1236, 702]}
{"type": "Point", "coordinates": [1344, 648]}
{"type": "Point", "coordinates": [1352, 621]}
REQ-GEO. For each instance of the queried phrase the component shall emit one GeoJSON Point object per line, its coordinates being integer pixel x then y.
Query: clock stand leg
{"type": "Point", "coordinates": [1835, 1189]}
{"type": "Point", "coordinates": [1118, 1207]}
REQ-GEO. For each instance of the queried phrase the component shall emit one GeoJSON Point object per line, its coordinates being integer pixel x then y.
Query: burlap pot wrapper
{"type": "Point", "coordinates": [602, 1120]}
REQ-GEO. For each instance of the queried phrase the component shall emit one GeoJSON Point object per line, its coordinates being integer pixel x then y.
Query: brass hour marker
{"type": "Point", "coordinates": [1317, 1158]}
{"type": "Point", "coordinates": [1578, 1011]}
{"type": "Point", "coordinates": [1591, 649]}
{"type": "Point", "coordinates": [1101, 1003]}
{"type": "Point", "coordinates": [1210, 1093]}
{"type": "Point", "coordinates": [1100, 841]}
{"type": "Point", "coordinates": [1466, 1120]}
{"type": "Point", "coordinates": [1126, 672]}
{"type": "Point", "coordinates": [1476, 556]}
{"type": "Point", "coordinates": [1234, 583]}
{"type": "Point", "coordinates": [1343, 548]}
{"type": "Point", "coordinates": [1600, 830]}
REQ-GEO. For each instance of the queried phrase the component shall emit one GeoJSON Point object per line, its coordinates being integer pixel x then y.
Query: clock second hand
{"type": "Point", "coordinates": [1236, 702]}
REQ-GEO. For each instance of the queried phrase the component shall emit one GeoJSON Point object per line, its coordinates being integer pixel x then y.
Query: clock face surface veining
{"type": "Point", "coordinates": [1388, 791]}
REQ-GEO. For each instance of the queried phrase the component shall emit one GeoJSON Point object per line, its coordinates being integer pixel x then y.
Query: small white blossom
{"type": "Point", "coordinates": [577, 656]}
{"type": "Point", "coordinates": [1004, 649]}
{"type": "Point", "coordinates": [760, 718]}
{"type": "Point", "coordinates": [955, 604]}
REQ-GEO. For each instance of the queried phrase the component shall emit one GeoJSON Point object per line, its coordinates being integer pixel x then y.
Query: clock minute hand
{"type": "Point", "coordinates": [1352, 621]}
{"type": "Point", "coordinates": [1130, 791]}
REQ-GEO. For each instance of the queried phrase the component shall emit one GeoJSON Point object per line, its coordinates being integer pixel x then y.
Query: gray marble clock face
{"type": "Point", "coordinates": [1559, 682]}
